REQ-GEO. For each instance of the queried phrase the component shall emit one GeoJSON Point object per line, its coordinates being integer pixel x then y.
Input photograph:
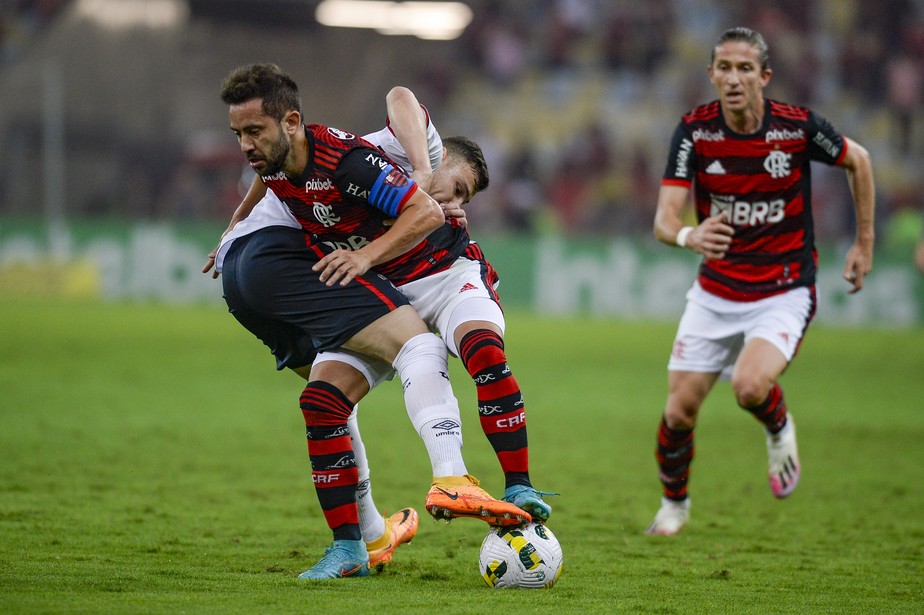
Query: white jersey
{"type": "Point", "coordinates": [270, 211]}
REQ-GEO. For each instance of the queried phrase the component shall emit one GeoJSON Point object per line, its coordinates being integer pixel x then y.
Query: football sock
{"type": "Point", "coordinates": [501, 408]}
{"type": "Point", "coordinates": [674, 454]}
{"type": "Point", "coordinates": [422, 366]}
{"type": "Point", "coordinates": [772, 412]}
{"type": "Point", "coordinates": [371, 523]}
{"type": "Point", "coordinates": [330, 450]}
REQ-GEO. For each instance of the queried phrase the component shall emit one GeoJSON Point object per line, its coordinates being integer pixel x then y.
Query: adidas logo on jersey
{"type": "Point", "coordinates": [468, 286]}
{"type": "Point", "coordinates": [715, 168]}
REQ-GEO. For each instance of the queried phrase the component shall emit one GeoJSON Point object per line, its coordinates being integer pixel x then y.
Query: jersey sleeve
{"type": "Point", "coordinates": [367, 175]}
{"type": "Point", "coordinates": [824, 143]}
{"type": "Point", "coordinates": [679, 170]}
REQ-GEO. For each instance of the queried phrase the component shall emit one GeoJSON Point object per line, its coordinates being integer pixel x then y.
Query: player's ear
{"type": "Point", "coordinates": [292, 121]}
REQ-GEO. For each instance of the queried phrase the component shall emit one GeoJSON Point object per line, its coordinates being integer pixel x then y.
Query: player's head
{"type": "Point", "coordinates": [276, 90]}
{"type": "Point", "coordinates": [265, 113]}
{"type": "Point", "coordinates": [740, 69]}
{"type": "Point", "coordinates": [462, 174]}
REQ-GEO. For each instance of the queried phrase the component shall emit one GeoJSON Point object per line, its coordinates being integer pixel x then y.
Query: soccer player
{"type": "Point", "coordinates": [300, 293]}
{"type": "Point", "coordinates": [746, 159]}
{"type": "Point", "coordinates": [459, 302]}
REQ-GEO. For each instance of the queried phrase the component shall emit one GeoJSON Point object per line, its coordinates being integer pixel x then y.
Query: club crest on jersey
{"type": "Point", "coordinates": [777, 164]}
{"type": "Point", "coordinates": [324, 214]}
{"type": "Point", "coordinates": [341, 134]}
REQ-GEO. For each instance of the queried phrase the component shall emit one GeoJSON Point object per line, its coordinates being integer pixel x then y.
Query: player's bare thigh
{"type": "Point", "coordinates": [384, 338]}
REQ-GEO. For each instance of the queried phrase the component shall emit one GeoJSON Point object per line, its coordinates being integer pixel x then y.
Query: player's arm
{"type": "Point", "coordinates": [254, 194]}
{"type": "Point", "coordinates": [408, 121]}
{"type": "Point", "coordinates": [710, 238]}
{"type": "Point", "coordinates": [392, 192]}
{"type": "Point", "coordinates": [859, 169]}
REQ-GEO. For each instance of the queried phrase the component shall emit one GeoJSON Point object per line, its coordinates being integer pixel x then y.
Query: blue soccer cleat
{"type": "Point", "coordinates": [345, 558]}
{"type": "Point", "coordinates": [530, 500]}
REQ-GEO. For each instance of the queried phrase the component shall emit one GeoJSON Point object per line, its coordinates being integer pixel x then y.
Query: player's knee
{"type": "Point", "coordinates": [481, 349]}
{"type": "Point", "coordinates": [750, 392]}
{"type": "Point", "coordinates": [324, 404]}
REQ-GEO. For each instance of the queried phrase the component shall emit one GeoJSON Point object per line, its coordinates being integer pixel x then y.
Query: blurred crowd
{"type": "Point", "coordinates": [575, 101]}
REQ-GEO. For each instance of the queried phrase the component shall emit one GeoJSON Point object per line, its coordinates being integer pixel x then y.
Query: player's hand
{"type": "Point", "coordinates": [712, 237]}
{"type": "Point", "coordinates": [859, 264]}
{"type": "Point", "coordinates": [454, 214]}
{"type": "Point", "coordinates": [211, 263]}
{"type": "Point", "coordinates": [342, 266]}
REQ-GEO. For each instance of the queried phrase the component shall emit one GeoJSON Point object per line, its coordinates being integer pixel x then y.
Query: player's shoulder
{"type": "Point", "coordinates": [787, 111]}
{"type": "Point", "coordinates": [704, 113]}
{"type": "Point", "coordinates": [336, 137]}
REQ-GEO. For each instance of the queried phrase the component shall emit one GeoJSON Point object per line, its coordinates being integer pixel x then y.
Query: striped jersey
{"type": "Point", "coordinates": [763, 181]}
{"type": "Point", "coordinates": [347, 192]}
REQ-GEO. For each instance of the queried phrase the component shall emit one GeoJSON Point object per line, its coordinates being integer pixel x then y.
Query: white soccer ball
{"type": "Point", "coordinates": [527, 556]}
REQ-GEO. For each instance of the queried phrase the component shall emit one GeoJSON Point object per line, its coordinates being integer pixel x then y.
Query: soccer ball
{"type": "Point", "coordinates": [527, 556]}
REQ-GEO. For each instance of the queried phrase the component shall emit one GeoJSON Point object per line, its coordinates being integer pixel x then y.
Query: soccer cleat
{"type": "Point", "coordinates": [671, 517]}
{"type": "Point", "coordinates": [399, 529]}
{"type": "Point", "coordinates": [345, 558]}
{"type": "Point", "coordinates": [460, 496]}
{"type": "Point", "coordinates": [530, 500]}
{"type": "Point", "coordinates": [783, 458]}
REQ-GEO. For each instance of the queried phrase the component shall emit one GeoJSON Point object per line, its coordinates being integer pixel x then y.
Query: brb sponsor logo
{"type": "Point", "coordinates": [353, 242]}
{"type": "Point", "coordinates": [744, 213]}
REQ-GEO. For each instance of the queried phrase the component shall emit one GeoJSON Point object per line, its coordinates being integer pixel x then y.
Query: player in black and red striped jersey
{"type": "Point", "coordinates": [304, 289]}
{"type": "Point", "coordinates": [747, 160]}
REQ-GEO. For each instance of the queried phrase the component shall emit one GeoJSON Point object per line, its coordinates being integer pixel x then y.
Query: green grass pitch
{"type": "Point", "coordinates": [153, 461]}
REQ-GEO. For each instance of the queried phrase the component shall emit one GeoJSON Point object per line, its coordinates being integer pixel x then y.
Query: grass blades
{"type": "Point", "coordinates": [154, 462]}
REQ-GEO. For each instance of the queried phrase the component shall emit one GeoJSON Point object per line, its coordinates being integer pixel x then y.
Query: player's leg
{"type": "Point", "coordinates": [421, 361]}
{"type": "Point", "coordinates": [477, 327]}
{"type": "Point", "coordinates": [356, 374]}
{"type": "Point", "coordinates": [706, 344]}
{"type": "Point", "coordinates": [774, 333]}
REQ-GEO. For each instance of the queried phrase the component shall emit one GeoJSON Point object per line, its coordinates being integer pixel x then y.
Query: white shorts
{"type": "Point", "coordinates": [444, 301]}
{"type": "Point", "coordinates": [713, 330]}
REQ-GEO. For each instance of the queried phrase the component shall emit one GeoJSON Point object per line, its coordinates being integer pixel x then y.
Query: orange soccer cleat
{"type": "Point", "coordinates": [399, 529]}
{"type": "Point", "coordinates": [460, 496]}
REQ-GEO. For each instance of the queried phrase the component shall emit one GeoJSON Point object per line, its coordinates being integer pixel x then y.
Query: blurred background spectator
{"type": "Point", "coordinates": [573, 101]}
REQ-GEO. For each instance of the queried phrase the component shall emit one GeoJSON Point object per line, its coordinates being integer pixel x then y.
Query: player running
{"type": "Point", "coordinates": [747, 159]}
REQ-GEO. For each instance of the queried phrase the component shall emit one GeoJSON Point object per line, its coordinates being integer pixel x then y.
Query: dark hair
{"type": "Point", "coordinates": [469, 152]}
{"type": "Point", "coordinates": [752, 38]}
{"type": "Point", "coordinates": [277, 90]}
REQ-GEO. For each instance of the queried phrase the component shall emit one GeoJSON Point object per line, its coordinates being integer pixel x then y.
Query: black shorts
{"type": "Point", "coordinates": [271, 290]}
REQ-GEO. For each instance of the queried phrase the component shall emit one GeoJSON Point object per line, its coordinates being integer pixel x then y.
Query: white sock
{"type": "Point", "coordinates": [423, 367]}
{"type": "Point", "coordinates": [371, 523]}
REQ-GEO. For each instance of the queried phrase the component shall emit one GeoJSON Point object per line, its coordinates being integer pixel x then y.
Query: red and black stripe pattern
{"type": "Point", "coordinates": [772, 412]}
{"type": "Point", "coordinates": [763, 182]}
{"type": "Point", "coordinates": [330, 450]}
{"type": "Point", "coordinates": [674, 454]}
{"type": "Point", "coordinates": [501, 408]}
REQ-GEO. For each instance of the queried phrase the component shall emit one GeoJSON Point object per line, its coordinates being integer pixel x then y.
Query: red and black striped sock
{"type": "Point", "coordinates": [772, 413]}
{"type": "Point", "coordinates": [674, 454]}
{"type": "Point", "coordinates": [330, 450]}
{"type": "Point", "coordinates": [501, 408]}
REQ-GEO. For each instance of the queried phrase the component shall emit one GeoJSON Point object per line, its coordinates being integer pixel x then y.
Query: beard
{"type": "Point", "coordinates": [276, 158]}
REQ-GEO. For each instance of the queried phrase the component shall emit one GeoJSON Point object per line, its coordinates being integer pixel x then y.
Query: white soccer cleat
{"type": "Point", "coordinates": [671, 517]}
{"type": "Point", "coordinates": [783, 458]}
